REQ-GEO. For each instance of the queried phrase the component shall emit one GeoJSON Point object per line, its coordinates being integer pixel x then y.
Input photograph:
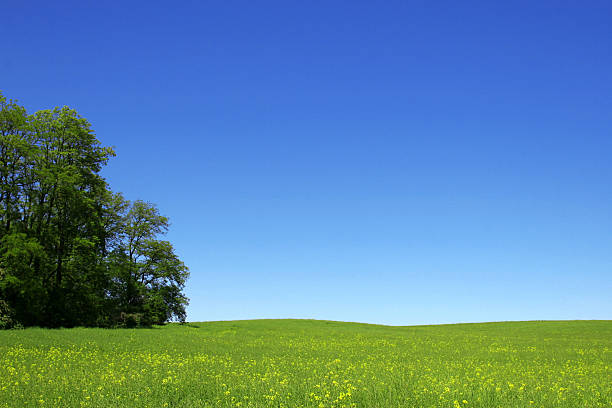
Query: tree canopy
{"type": "Point", "coordinates": [72, 252]}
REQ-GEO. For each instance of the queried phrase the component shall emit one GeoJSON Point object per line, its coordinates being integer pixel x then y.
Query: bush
{"type": "Point", "coordinates": [131, 320]}
{"type": "Point", "coordinates": [7, 317]}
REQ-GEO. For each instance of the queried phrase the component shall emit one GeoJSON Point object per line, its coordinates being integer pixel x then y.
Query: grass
{"type": "Point", "coordinates": [305, 363]}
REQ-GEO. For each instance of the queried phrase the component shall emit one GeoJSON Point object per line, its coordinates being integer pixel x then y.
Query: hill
{"type": "Point", "coordinates": [307, 363]}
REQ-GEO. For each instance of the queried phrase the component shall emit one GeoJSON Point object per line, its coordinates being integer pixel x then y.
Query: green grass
{"type": "Point", "coordinates": [304, 363]}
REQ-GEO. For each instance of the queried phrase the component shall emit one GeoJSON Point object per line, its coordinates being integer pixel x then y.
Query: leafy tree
{"type": "Point", "coordinates": [151, 277]}
{"type": "Point", "coordinates": [72, 252]}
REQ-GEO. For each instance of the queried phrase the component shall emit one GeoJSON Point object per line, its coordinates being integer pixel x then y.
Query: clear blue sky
{"type": "Point", "coordinates": [402, 162]}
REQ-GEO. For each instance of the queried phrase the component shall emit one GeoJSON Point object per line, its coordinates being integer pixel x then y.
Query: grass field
{"type": "Point", "coordinates": [304, 363]}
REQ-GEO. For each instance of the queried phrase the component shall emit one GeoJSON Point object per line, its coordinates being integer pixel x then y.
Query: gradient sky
{"type": "Point", "coordinates": [404, 162]}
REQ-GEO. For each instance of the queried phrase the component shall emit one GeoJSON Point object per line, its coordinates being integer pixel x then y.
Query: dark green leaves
{"type": "Point", "coordinates": [71, 251]}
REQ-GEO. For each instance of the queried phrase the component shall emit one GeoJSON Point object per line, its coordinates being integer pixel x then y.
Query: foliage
{"type": "Point", "coordinates": [72, 252]}
{"type": "Point", "coordinates": [289, 363]}
{"type": "Point", "coordinates": [7, 319]}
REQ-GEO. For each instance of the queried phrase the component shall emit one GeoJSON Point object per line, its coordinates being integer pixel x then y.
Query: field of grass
{"type": "Point", "coordinates": [304, 363]}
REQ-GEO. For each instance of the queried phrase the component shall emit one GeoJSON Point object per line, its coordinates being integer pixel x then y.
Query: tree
{"type": "Point", "coordinates": [150, 275]}
{"type": "Point", "coordinates": [72, 252]}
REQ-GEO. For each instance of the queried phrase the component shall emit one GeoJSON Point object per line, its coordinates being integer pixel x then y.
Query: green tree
{"type": "Point", "coordinates": [72, 252]}
{"type": "Point", "coordinates": [151, 276]}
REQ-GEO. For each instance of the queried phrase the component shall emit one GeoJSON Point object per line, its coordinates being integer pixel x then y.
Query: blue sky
{"type": "Point", "coordinates": [404, 162]}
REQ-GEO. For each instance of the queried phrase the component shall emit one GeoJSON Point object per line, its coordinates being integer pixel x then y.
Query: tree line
{"type": "Point", "coordinates": [72, 252]}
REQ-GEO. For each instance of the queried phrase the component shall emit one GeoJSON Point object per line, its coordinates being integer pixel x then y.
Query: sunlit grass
{"type": "Point", "coordinates": [301, 363]}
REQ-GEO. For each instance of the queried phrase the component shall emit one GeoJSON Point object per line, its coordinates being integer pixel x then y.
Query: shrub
{"type": "Point", "coordinates": [7, 316]}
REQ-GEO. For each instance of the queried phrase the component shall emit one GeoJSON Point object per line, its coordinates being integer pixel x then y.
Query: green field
{"type": "Point", "coordinates": [305, 363]}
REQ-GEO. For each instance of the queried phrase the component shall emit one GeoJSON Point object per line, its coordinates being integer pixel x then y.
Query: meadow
{"type": "Point", "coordinates": [306, 363]}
